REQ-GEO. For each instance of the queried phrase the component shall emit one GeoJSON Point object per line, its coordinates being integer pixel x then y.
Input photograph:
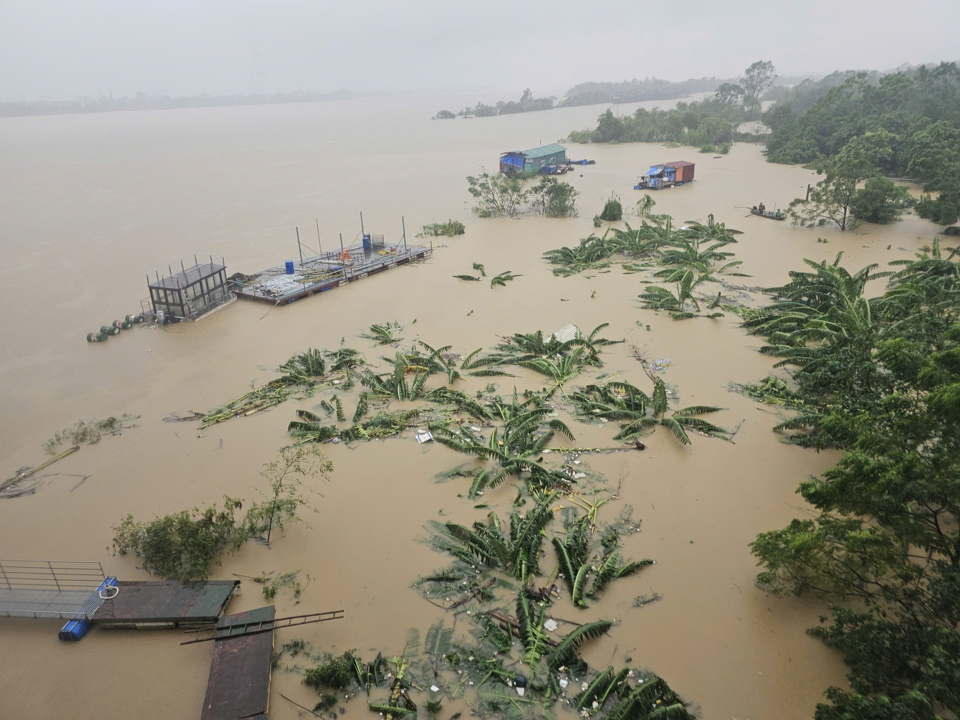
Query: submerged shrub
{"type": "Point", "coordinates": [183, 545]}
{"type": "Point", "coordinates": [448, 229]}
{"type": "Point", "coordinates": [337, 673]}
{"type": "Point", "coordinates": [612, 211]}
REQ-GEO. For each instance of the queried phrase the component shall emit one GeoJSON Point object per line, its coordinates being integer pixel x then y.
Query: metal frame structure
{"type": "Point", "coordinates": [60, 589]}
{"type": "Point", "coordinates": [191, 291]}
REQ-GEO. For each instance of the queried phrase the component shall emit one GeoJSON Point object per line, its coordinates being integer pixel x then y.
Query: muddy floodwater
{"type": "Point", "coordinates": [90, 204]}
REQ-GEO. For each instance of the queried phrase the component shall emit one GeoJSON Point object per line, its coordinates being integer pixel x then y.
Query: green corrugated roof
{"type": "Point", "coordinates": [544, 150]}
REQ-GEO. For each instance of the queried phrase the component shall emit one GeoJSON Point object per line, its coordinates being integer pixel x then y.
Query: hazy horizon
{"type": "Point", "coordinates": [59, 50]}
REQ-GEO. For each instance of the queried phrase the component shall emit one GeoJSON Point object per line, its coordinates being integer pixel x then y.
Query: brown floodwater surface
{"type": "Point", "coordinates": [90, 203]}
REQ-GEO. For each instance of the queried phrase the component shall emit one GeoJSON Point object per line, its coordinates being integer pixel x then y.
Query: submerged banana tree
{"type": "Point", "coordinates": [711, 231]}
{"type": "Point", "coordinates": [311, 427]}
{"type": "Point", "coordinates": [655, 297]}
{"type": "Point", "coordinates": [384, 333]}
{"type": "Point", "coordinates": [441, 360]}
{"type": "Point", "coordinates": [688, 254]}
{"type": "Point", "coordinates": [591, 252]}
{"type": "Point", "coordinates": [559, 371]}
{"type": "Point", "coordinates": [513, 445]}
{"type": "Point", "coordinates": [637, 242]}
{"type": "Point", "coordinates": [395, 385]}
{"type": "Point", "coordinates": [823, 324]}
{"type": "Point", "coordinates": [613, 400]}
{"type": "Point", "coordinates": [482, 367]}
{"type": "Point", "coordinates": [679, 421]}
{"type": "Point", "coordinates": [521, 347]}
{"type": "Point", "coordinates": [502, 278]}
{"type": "Point", "coordinates": [580, 561]}
{"type": "Point", "coordinates": [304, 368]}
{"type": "Point", "coordinates": [516, 554]}
{"type": "Point", "coordinates": [302, 374]}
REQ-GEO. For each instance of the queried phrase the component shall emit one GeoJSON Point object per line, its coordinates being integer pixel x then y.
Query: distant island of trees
{"type": "Point", "coordinates": [592, 93]}
{"type": "Point", "coordinates": [160, 102]}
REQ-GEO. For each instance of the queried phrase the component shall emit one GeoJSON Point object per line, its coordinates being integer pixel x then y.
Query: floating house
{"type": "Point", "coordinates": [666, 175]}
{"type": "Point", "coordinates": [188, 289]}
{"type": "Point", "coordinates": [535, 160]}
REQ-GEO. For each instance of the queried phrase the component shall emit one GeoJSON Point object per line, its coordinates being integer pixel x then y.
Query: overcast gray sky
{"type": "Point", "coordinates": [60, 49]}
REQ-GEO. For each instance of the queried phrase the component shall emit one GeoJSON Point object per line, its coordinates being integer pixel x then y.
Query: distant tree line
{"type": "Point", "coordinates": [526, 103]}
{"type": "Point", "coordinates": [708, 123]}
{"type": "Point", "coordinates": [160, 102]}
{"type": "Point", "coordinates": [592, 93]}
{"type": "Point", "coordinates": [626, 91]}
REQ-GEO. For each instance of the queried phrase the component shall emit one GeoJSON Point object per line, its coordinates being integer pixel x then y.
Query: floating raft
{"type": "Point", "coordinates": [165, 604]}
{"type": "Point", "coordinates": [239, 684]}
{"type": "Point", "coordinates": [290, 282]}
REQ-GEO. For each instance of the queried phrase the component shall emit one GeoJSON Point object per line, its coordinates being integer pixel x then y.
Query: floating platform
{"type": "Point", "coordinates": [78, 591]}
{"type": "Point", "coordinates": [165, 604]}
{"type": "Point", "coordinates": [288, 283]}
{"type": "Point", "coordinates": [239, 683]}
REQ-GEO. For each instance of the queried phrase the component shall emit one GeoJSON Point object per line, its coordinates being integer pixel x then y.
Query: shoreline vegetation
{"type": "Point", "coordinates": [842, 126]}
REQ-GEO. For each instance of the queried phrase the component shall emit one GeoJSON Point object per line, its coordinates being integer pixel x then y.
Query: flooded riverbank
{"type": "Point", "coordinates": [90, 204]}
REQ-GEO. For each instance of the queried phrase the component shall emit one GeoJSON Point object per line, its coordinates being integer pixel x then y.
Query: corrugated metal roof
{"type": "Point", "coordinates": [566, 333]}
{"type": "Point", "coordinates": [544, 150]}
{"type": "Point", "coordinates": [679, 164]}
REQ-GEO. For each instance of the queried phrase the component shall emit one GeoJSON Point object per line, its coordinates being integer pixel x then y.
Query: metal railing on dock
{"type": "Point", "coordinates": [48, 588]}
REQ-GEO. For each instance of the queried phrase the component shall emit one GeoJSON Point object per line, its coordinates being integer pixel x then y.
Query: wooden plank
{"type": "Point", "coordinates": [165, 603]}
{"type": "Point", "coordinates": [239, 683]}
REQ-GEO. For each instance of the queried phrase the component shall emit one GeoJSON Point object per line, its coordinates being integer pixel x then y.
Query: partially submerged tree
{"type": "Point", "coordinates": [287, 477]}
{"type": "Point", "coordinates": [612, 210]}
{"type": "Point", "coordinates": [830, 199]}
{"type": "Point", "coordinates": [757, 79]}
{"type": "Point", "coordinates": [497, 195]}
{"type": "Point", "coordinates": [554, 198]}
{"type": "Point", "coordinates": [185, 544]}
{"type": "Point", "coordinates": [880, 201]}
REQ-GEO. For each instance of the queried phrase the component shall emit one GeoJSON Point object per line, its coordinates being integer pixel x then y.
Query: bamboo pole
{"type": "Point", "coordinates": [22, 476]}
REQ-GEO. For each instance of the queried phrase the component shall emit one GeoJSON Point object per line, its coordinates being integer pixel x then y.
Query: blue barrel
{"type": "Point", "coordinates": [289, 267]}
{"type": "Point", "coordinates": [367, 244]}
{"type": "Point", "coordinates": [74, 630]}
